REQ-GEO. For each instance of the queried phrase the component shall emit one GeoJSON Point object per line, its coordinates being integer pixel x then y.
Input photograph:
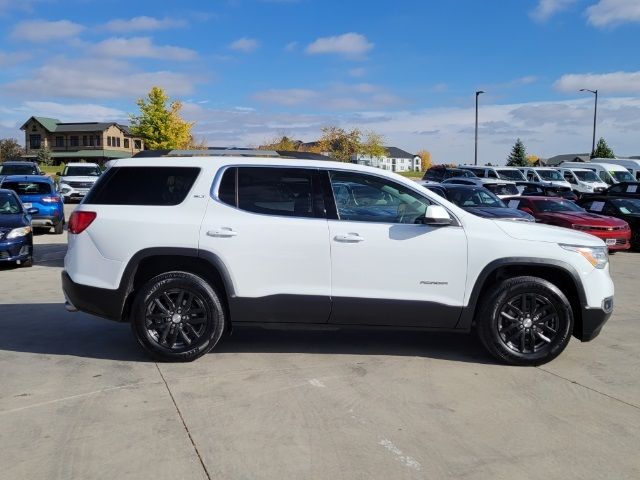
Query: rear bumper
{"type": "Point", "coordinates": [593, 319]}
{"type": "Point", "coordinates": [96, 301]}
{"type": "Point", "coordinates": [46, 220]}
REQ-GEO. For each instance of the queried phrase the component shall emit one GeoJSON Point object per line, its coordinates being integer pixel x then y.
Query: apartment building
{"type": "Point", "coordinates": [73, 142]}
{"type": "Point", "coordinates": [396, 160]}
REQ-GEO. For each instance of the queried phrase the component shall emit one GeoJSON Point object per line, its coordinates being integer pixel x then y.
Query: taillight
{"type": "Point", "coordinates": [50, 199]}
{"type": "Point", "coordinates": [79, 221]}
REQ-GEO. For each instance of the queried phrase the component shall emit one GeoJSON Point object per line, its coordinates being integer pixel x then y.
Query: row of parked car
{"type": "Point", "coordinates": [30, 200]}
{"type": "Point", "coordinates": [611, 213]}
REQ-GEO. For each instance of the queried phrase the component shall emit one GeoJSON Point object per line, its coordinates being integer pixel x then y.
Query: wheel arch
{"type": "Point", "coordinates": [559, 273]}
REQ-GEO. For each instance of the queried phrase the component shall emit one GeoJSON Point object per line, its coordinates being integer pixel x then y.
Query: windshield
{"type": "Point", "coordinates": [474, 197]}
{"type": "Point", "coordinates": [16, 169]}
{"type": "Point", "coordinates": [627, 205]}
{"type": "Point", "coordinates": [28, 188]}
{"type": "Point", "coordinates": [9, 205]}
{"type": "Point", "coordinates": [502, 188]}
{"type": "Point", "coordinates": [550, 175]}
{"type": "Point", "coordinates": [552, 205]}
{"type": "Point", "coordinates": [623, 176]}
{"type": "Point", "coordinates": [509, 174]}
{"type": "Point", "coordinates": [587, 176]}
{"type": "Point", "coordinates": [81, 172]}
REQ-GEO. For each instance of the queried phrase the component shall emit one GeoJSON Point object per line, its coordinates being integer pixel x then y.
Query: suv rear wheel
{"type": "Point", "coordinates": [527, 321]}
{"type": "Point", "coordinates": [177, 317]}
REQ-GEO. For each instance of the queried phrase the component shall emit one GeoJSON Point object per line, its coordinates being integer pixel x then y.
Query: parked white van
{"type": "Point", "coordinates": [629, 163]}
{"type": "Point", "coordinates": [545, 175]}
{"type": "Point", "coordinates": [583, 180]}
{"type": "Point", "coordinates": [503, 173]}
{"type": "Point", "coordinates": [608, 172]}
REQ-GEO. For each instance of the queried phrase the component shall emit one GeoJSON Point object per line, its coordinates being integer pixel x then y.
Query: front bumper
{"type": "Point", "coordinates": [102, 302]}
{"type": "Point", "coordinates": [593, 319]}
{"type": "Point", "coordinates": [16, 250]}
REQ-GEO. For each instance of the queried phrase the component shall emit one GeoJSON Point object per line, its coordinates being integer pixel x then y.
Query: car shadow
{"type": "Point", "coordinates": [49, 329]}
{"type": "Point", "coordinates": [49, 254]}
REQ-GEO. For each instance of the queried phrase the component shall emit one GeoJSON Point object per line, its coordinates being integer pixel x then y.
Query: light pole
{"type": "Point", "coordinates": [595, 114]}
{"type": "Point", "coordinates": [475, 156]}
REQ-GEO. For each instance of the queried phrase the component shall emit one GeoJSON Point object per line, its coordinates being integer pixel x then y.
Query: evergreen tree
{"type": "Point", "coordinates": [603, 150]}
{"type": "Point", "coordinates": [44, 156]}
{"type": "Point", "coordinates": [518, 155]}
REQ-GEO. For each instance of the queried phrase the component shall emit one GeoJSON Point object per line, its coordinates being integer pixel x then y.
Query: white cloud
{"type": "Point", "coordinates": [142, 47]}
{"type": "Point", "coordinates": [615, 82]}
{"type": "Point", "coordinates": [97, 79]}
{"type": "Point", "coordinates": [612, 12]}
{"type": "Point", "coordinates": [11, 58]}
{"type": "Point", "coordinates": [43, 30]}
{"type": "Point", "coordinates": [357, 72]}
{"type": "Point", "coordinates": [244, 44]}
{"type": "Point", "coordinates": [350, 45]}
{"type": "Point", "coordinates": [360, 96]}
{"type": "Point", "coordinates": [548, 8]}
{"type": "Point", "coordinates": [73, 112]}
{"type": "Point", "coordinates": [142, 24]}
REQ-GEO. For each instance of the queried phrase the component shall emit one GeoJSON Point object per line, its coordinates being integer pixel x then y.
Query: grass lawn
{"type": "Point", "coordinates": [411, 174]}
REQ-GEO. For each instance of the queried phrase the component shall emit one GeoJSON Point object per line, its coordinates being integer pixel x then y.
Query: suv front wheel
{"type": "Point", "coordinates": [526, 321]}
{"type": "Point", "coordinates": [177, 317]}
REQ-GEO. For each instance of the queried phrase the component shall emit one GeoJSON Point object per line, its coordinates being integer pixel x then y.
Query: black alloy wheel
{"type": "Point", "coordinates": [177, 316]}
{"type": "Point", "coordinates": [525, 321]}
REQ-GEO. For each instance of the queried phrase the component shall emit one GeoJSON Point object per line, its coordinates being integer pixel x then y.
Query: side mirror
{"type": "Point", "coordinates": [43, 173]}
{"type": "Point", "coordinates": [32, 211]}
{"type": "Point", "coordinates": [436, 215]}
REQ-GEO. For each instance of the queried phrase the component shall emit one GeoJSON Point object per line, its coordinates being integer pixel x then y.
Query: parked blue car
{"type": "Point", "coordinates": [16, 237]}
{"type": "Point", "coordinates": [40, 193]}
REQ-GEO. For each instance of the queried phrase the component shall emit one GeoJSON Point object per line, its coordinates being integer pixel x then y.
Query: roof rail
{"type": "Point", "coordinates": [235, 152]}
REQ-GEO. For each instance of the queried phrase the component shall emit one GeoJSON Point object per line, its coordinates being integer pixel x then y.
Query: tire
{"type": "Point", "coordinates": [182, 333]}
{"type": "Point", "coordinates": [59, 228]}
{"type": "Point", "coordinates": [528, 335]}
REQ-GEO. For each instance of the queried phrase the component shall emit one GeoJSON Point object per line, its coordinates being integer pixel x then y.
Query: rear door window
{"type": "Point", "coordinates": [159, 186]}
{"type": "Point", "coordinates": [288, 192]}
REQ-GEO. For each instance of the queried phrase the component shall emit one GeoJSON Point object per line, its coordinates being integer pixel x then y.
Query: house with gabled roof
{"type": "Point", "coordinates": [77, 141]}
{"type": "Point", "coordinates": [395, 160]}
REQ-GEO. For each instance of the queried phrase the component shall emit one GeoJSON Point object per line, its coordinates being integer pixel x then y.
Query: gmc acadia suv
{"type": "Point", "coordinates": [184, 248]}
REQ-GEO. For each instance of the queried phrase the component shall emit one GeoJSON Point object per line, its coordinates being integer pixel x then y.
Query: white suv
{"type": "Point", "coordinates": [76, 179]}
{"type": "Point", "coordinates": [185, 247]}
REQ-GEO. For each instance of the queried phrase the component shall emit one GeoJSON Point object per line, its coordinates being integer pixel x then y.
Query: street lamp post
{"type": "Point", "coordinates": [475, 156]}
{"type": "Point", "coordinates": [595, 115]}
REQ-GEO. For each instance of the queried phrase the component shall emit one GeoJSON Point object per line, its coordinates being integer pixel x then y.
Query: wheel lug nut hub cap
{"type": "Point", "coordinates": [176, 318]}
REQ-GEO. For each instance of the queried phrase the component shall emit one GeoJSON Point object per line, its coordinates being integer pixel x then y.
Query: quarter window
{"type": "Point", "coordinates": [365, 198]}
{"type": "Point", "coordinates": [289, 192]}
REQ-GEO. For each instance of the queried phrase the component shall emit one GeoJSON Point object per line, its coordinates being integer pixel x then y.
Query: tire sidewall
{"type": "Point", "coordinates": [488, 321]}
{"type": "Point", "coordinates": [212, 304]}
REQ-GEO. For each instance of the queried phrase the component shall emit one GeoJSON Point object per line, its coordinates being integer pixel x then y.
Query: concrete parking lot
{"type": "Point", "coordinates": [79, 400]}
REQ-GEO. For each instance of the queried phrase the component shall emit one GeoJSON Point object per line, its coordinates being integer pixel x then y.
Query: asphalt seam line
{"type": "Point", "coordinates": [193, 443]}
{"type": "Point", "coordinates": [589, 388]}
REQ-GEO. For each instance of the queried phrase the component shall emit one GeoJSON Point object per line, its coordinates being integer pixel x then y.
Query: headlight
{"type": "Point", "coordinates": [19, 232]}
{"type": "Point", "coordinates": [596, 256]}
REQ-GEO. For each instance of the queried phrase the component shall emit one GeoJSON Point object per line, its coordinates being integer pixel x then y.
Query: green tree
{"type": "Point", "coordinates": [602, 150]}
{"type": "Point", "coordinates": [341, 144]}
{"type": "Point", "coordinates": [10, 149]}
{"type": "Point", "coordinates": [44, 156]}
{"type": "Point", "coordinates": [159, 122]}
{"type": "Point", "coordinates": [518, 155]}
{"type": "Point", "coordinates": [425, 160]}
{"type": "Point", "coordinates": [373, 145]}
{"type": "Point", "coordinates": [281, 143]}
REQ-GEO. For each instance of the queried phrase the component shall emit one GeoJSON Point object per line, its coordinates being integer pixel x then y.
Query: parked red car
{"type": "Point", "coordinates": [564, 213]}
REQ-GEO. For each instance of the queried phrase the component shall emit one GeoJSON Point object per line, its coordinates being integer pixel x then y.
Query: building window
{"type": "Point", "coordinates": [35, 141]}
{"type": "Point", "coordinates": [108, 141]}
{"type": "Point", "coordinates": [74, 141]}
{"type": "Point", "coordinates": [85, 140]}
{"type": "Point", "coordinates": [98, 140]}
{"type": "Point", "coordinates": [126, 143]}
{"type": "Point", "coordinates": [117, 141]}
{"type": "Point", "coordinates": [59, 141]}
{"type": "Point", "coordinates": [34, 128]}
{"type": "Point", "coordinates": [137, 144]}
{"type": "Point", "coordinates": [91, 140]}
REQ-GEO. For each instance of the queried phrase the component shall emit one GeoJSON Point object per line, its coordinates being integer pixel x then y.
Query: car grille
{"type": "Point", "coordinates": [599, 190]}
{"type": "Point", "coordinates": [4, 254]}
{"type": "Point", "coordinates": [588, 228]}
{"type": "Point", "coordinates": [81, 184]}
{"type": "Point", "coordinates": [621, 241]}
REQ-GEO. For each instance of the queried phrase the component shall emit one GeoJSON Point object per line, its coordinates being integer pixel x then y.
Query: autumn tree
{"type": "Point", "coordinates": [343, 144]}
{"type": "Point", "coordinates": [602, 150]}
{"type": "Point", "coordinates": [281, 143]}
{"type": "Point", "coordinates": [10, 149]}
{"type": "Point", "coordinates": [159, 122]}
{"type": "Point", "coordinates": [532, 159]}
{"type": "Point", "coordinates": [373, 145]}
{"type": "Point", "coordinates": [518, 155]}
{"type": "Point", "coordinates": [425, 160]}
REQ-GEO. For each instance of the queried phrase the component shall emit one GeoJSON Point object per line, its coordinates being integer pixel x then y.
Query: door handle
{"type": "Point", "coordinates": [349, 238]}
{"type": "Point", "coordinates": [223, 232]}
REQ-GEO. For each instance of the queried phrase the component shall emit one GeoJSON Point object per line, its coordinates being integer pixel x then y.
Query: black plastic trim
{"type": "Point", "coordinates": [282, 308]}
{"type": "Point", "coordinates": [468, 312]}
{"type": "Point", "coordinates": [96, 301]}
{"type": "Point", "coordinates": [593, 319]}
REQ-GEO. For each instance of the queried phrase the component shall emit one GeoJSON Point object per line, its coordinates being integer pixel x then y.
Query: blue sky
{"type": "Point", "coordinates": [249, 70]}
